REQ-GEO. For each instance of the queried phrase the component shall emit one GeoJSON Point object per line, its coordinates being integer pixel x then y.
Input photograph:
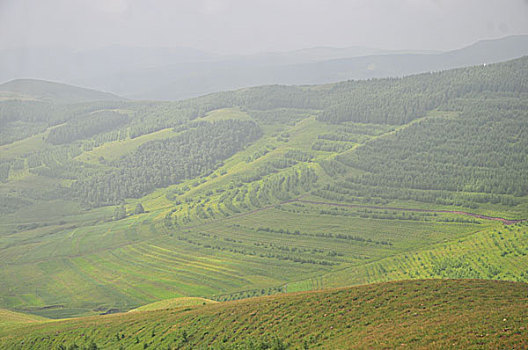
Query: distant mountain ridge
{"type": "Point", "coordinates": [175, 74]}
{"type": "Point", "coordinates": [211, 78]}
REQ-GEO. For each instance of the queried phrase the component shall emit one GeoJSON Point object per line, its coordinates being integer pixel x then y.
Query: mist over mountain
{"type": "Point", "coordinates": [177, 73]}
{"type": "Point", "coordinates": [231, 174]}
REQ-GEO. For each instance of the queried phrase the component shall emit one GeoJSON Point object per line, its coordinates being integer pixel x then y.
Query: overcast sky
{"type": "Point", "coordinates": [247, 26]}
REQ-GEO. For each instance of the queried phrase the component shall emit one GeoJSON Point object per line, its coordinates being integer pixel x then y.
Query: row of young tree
{"type": "Point", "coordinates": [281, 186]}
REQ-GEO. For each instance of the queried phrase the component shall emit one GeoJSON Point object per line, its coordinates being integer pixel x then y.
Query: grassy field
{"type": "Point", "coordinates": [99, 267]}
{"type": "Point", "coordinates": [469, 314]}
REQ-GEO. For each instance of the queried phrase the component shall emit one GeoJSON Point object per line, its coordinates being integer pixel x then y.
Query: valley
{"type": "Point", "coordinates": [110, 206]}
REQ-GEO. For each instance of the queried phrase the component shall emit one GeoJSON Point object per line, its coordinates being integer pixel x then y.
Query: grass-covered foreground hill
{"type": "Point", "coordinates": [108, 205]}
{"type": "Point", "coordinates": [432, 314]}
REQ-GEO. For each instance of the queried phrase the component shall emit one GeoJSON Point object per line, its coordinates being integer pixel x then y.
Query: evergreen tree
{"type": "Point", "coordinates": [139, 209]}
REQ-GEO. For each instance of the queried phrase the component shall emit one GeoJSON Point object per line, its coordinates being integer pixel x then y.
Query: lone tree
{"type": "Point", "coordinates": [139, 209]}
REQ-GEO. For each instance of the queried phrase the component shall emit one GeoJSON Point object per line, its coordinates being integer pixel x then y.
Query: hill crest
{"type": "Point", "coordinates": [418, 313]}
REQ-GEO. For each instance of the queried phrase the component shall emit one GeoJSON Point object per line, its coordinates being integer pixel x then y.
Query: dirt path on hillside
{"type": "Point", "coordinates": [478, 216]}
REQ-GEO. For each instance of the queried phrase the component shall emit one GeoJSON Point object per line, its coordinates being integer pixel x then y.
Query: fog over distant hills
{"type": "Point", "coordinates": [177, 73]}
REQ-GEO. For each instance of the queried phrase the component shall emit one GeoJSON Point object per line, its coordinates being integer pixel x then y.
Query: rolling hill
{"type": "Point", "coordinates": [10, 319]}
{"type": "Point", "coordinates": [110, 205]}
{"type": "Point", "coordinates": [52, 92]}
{"type": "Point", "coordinates": [421, 314]}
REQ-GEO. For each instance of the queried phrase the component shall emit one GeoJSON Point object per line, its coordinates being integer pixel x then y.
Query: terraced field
{"type": "Point", "coordinates": [499, 254]}
{"type": "Point", "coordinates": [264, 252]}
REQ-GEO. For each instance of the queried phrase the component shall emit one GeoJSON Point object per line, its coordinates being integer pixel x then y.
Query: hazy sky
{"type": "Point", "coordinates": [244, 26]}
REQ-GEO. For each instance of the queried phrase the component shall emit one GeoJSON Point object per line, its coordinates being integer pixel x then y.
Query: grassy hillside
{"type": "Point", "coordinates": [469, 314]}
{"type": "Point", "coordinates": [108, 206]}
{"type": "Point", "coordinates": [10, 319]}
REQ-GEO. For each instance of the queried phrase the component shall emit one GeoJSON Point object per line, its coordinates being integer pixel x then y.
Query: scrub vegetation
{"type": "Point", "coordinates": [464, 314]}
